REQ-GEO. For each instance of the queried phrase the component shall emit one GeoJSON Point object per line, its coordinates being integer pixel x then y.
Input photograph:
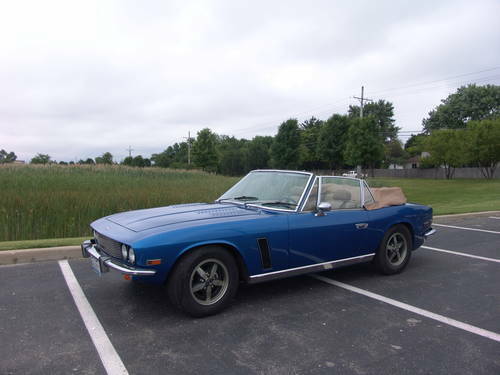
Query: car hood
{"type": "Point", "coordinates": [141, 220]}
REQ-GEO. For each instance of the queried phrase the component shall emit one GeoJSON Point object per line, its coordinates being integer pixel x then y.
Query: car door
{"type": "Point", "coordinates": [317, 237]}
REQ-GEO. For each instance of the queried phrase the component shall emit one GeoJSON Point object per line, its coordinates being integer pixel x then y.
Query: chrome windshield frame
{"type": "Point", "coordinates": [299, 203]}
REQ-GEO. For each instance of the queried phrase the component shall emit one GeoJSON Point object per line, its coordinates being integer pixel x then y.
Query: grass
{"type": "Point", "coordinates": [43, 206]}
{"type": "Point", "coordinates": [448, 196]}
{"type": "Point", "coordinates": [42, 202]}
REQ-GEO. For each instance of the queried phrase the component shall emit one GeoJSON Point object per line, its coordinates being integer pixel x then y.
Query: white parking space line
{"type": "Point", "coordinates": [464, 228]}
{"type": "Point", "coordinates": [109, 357]}
{"type": "Point", "coordinates": [440, 318]}
{"type": "Point", "coordinates": [494, 217]}
{"type": "Point", "coordinates": [461, 254]}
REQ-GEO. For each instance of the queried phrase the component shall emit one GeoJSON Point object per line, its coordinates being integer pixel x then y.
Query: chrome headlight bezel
{"type": "Point", "coordinates": [124, 250]}
{"type": "Point", "coordinates": [131, 255]}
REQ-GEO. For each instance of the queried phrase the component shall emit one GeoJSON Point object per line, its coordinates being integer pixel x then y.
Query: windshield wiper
{"type": "Point", "coordinates": [240, 198]}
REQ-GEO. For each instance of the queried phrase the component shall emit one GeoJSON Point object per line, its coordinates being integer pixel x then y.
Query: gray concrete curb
{"type": "Point", "coordinates": [39, 255]}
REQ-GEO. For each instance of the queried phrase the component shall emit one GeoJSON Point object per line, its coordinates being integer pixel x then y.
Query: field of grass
{"type": "Point", "coordinates": [38, 202]}
{"type": "Point", "coordinates": [59, 202]}
{"type": "Point", "coordinates": [448, 196]}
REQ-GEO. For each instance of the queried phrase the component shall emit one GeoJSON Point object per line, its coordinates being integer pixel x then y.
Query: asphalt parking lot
{"type": "Point", "coordinates": [440, 316]}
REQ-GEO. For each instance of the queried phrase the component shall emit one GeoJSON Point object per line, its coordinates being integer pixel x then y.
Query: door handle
{"type": "Point", "coordinates": [361, 225]}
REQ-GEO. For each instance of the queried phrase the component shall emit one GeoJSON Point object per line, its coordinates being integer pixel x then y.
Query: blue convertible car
{"type": "Point", "coordinates": [271, 224]}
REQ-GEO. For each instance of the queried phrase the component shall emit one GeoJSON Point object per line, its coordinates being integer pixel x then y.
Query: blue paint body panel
{"type": "Point", "coordinates": [295, 238]}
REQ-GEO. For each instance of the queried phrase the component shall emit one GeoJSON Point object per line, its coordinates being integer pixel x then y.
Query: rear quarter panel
{"type": "Point", "coordinates": [417, 217]}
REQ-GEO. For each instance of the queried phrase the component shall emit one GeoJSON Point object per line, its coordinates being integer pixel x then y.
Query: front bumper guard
{"type": "Point", "coordinates": [105, 262]}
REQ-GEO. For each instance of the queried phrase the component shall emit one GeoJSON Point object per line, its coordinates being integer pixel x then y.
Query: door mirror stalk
{"type": "Point", "coordinates": [322, 208]}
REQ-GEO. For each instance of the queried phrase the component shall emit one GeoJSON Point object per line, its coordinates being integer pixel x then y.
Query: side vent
{"type": "Point", "coordinates": [265, 255]}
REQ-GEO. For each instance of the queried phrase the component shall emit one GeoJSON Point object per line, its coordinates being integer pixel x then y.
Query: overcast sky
{"type": "Point", "coordinates": [78, 78]}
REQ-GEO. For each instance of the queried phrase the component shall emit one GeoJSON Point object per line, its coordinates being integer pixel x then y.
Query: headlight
{"type": "Point", "coordinates": [124, 252]}
{"type": "Point", "coordinates": [131, 256]}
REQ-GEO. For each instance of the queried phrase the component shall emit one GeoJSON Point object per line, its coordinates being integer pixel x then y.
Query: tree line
{"type": "Point", "coordinates": [464, 130]}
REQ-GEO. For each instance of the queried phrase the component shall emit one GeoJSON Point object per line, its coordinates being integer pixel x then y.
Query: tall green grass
{"type": "Point", "coordinates": [60, 201]}
{"type": "Point", "coordinates": [40, 202]}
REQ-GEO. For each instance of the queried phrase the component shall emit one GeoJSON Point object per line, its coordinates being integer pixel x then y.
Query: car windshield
{"type": "Point", "coordinates": [269, 188]}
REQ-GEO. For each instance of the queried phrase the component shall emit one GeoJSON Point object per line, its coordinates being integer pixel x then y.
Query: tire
{"type": "Point", "coordinates": [204, 281]}
{"type": "Point", "coordinates": [394, 251]}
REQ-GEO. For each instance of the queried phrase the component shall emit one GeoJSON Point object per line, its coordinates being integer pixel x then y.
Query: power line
{"type": "Point", "coordinates": [438, 80]}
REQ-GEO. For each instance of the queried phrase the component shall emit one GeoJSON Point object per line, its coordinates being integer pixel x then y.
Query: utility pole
{"type": "Point", "coordinates": [189, 147]}
{"type": "Point", "coordinates": [130, 149]}
{"type": "Point", "coordinates": [362, 100]}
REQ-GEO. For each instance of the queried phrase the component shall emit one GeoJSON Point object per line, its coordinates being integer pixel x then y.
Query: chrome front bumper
{"type": "Point", "coordinates": [429, 232]}
{"type": "Point", "coordinates": [104, 262]}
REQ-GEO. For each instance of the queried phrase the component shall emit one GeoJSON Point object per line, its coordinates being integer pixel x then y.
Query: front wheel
{"type": "Point", "coordinates": [394, 251]}
{"type": "Point", "coordinates": [204, 281]}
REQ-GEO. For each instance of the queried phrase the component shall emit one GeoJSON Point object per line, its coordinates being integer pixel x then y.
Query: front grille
{"type": "Point", "coordinates": [109, 246]}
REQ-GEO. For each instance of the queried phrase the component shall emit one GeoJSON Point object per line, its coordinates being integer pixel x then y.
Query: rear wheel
{"type": "Point", "coordinates": [204, 281]}
{"type": "Point", "coordinates": [394, 251]}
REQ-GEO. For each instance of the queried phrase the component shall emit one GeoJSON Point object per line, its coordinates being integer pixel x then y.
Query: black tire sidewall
{"type": "Point", "coordinates": [179, 281]}
{"type": "Point", "coordinates": [381, 261]}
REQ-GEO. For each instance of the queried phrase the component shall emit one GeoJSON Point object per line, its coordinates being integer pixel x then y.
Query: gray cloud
{"type": "Point", "coordinates": [79, 79]}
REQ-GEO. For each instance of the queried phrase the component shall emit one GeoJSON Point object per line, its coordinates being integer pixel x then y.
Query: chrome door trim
{"type": "Point", "coordinates": [317, 267]}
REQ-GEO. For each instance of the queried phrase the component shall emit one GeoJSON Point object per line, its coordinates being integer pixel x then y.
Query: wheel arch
{"type": "Point", "coordinates": [230, 247]}
{"type": "Point", "coordinates": [408, 226]}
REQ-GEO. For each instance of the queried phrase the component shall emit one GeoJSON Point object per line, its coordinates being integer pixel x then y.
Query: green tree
{"type": "Point", "coordinates": [105, 158]}
{"type": "Point", "coordinates": [285, 148]}
{"type": "Point", "coordinates": [205, 150]}
{"type": "Point", "coordinates": [41, 159]}
{"type": "Point", "coordinates": [309, 133]}
{"type": "Point", "coordinates": [447, 148]}
{"type": "Point", "coordinates": [383, 114]}
{"type": "Point", "coordinates": [129, 160]}
{"type": "Point", "coordinates": [258, 153]}
{"type": "Point", "coordinates": [483, 145]}
{"type": "Point", "coordinates": [7, 157]}
{"type": "Point", "coordinates": [364, 145]}
{"type": "Point", "coordinates": [469, 103]}
{"type": "Point", "coordinates": [394, 153]}
{"type": "Point", "coordinates": [415, 145]}
{"type": "Point", "coordinates": [332, 141]}
{"type": "Point", "coordinates": [231, 152]}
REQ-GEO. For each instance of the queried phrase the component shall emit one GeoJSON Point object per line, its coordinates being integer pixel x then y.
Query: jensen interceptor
{"type": "Point", "coordinates": [271, 224]}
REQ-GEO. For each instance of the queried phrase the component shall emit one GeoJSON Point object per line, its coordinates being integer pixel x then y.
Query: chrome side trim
{"type": "Point", "coordinates": [91, 251]}
{"type": "Point", "coordinates": [307, 269]}
{"type": "Point", "coordinates": [429, 232]}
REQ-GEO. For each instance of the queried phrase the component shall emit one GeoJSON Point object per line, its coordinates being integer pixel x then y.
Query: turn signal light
{"type": "Point", "coordinates": [127, 277]}
{"type": "Point", "coordinates": [153, 262]}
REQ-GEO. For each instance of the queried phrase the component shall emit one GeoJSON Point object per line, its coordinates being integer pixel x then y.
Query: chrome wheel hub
{"type": "Point", "coordinates": [396, 249]}
{"type": "Point", "coordinates": [209, 281]}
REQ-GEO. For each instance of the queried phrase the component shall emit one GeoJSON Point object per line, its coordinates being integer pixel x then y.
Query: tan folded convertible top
{"type": "Point", "coordinates": [386, 196]}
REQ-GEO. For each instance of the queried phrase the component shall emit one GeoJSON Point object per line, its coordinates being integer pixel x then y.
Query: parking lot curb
{"type": "Point", "coordinates": [39, 255]}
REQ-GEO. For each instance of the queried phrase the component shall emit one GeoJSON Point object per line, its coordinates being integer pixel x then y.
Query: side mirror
{"type": "Point", "coordinates": [322, 207]}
